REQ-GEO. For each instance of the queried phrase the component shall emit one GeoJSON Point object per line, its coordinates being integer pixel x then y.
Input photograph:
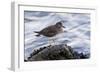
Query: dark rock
{"type": "Point", "coordinates": [81, 55]}
{"type": "Point", "coordinates": [56, 52]}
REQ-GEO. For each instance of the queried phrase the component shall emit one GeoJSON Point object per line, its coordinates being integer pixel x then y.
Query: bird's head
{"type": "Point", "coordinates": [59, 25]}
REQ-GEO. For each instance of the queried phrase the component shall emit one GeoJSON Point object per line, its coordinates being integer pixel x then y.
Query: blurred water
{"type": "Point", "coordinates": [77, 27]}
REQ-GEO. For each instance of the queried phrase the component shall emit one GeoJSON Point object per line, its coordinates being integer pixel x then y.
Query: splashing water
{"type": "Point", "coordinates": [77, 27]}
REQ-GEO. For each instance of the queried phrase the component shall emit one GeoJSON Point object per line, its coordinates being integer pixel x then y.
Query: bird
{"type": "Point", "coordinates": [51, 31]}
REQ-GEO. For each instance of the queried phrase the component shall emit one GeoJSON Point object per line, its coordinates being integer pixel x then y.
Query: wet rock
{"type": "Point", "coordinates": [55, 52]}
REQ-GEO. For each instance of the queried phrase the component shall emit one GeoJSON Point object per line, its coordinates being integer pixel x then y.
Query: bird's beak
{"type": "Point", "coordinates": [63, 26]}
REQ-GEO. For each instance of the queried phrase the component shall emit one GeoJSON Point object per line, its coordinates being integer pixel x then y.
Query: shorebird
{"type": "Point", "coordinates": [52, 30]}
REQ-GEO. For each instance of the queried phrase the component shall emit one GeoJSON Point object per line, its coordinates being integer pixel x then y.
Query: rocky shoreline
{"type": "Point", "coordinates": [56, 52]}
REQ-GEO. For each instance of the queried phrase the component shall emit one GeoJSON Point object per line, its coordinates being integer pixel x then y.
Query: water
{"type": "Point", "coordinates": [77, 27]}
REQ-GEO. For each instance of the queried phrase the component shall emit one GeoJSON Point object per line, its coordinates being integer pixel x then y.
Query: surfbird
{"type": "Point", "coordinates": [52, 30]}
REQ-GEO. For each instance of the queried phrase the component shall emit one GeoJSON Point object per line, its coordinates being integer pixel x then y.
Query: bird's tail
{"type": "Point", "coordinates": [38, 33]}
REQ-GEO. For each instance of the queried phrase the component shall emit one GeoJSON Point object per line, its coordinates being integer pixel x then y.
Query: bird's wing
{"type": "Point", "coordinates": [50, 29]}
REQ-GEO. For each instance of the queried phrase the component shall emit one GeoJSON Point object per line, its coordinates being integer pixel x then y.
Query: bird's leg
{"type": "Point", "coordinates": [53, 41]}
{"type": "Point", "coordinates": [49, 42]}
